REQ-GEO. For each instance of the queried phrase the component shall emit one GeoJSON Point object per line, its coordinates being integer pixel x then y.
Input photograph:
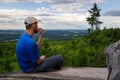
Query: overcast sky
{"type": "Point", "coordinates": [57, 14]}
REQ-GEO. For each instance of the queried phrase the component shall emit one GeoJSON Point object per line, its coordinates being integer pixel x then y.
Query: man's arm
{"type": "Point", "coordinates": [41, 31]}
{"type": "Point", "coordinates": [39, 43]}
{"type": "Point", "coordinates": [41, 59]}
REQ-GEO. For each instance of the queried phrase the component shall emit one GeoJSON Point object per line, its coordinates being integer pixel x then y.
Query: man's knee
{"type": "Point", "coordinates": [60, 58]}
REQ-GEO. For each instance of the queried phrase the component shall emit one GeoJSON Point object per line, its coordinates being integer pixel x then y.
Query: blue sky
{"type": "Point", "coordinates": [57, 14]}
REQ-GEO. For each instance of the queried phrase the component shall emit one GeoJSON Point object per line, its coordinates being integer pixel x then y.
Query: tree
{"type": "Point", "coordinates": [94, 22]}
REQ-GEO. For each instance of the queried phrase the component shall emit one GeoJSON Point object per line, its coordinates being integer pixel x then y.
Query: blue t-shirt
{"type": "Point", "coordinates": [27, 53]}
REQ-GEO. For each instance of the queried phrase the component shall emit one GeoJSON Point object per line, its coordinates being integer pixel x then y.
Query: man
{"type": "Point", "coordinates": [27, 50]}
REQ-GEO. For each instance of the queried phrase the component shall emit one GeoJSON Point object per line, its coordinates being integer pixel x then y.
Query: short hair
{"type": "Point", "coordinates": [27, 26]}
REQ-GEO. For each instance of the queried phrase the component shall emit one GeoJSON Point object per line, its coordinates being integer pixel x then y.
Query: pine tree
{"type": "Point", "coordinates": [94, 23]}
{"type": "Point", "coordinates": [93, 20]}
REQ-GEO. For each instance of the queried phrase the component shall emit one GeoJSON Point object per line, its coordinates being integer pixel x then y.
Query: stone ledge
{"type": "Point", "coordinates": [68, 73]}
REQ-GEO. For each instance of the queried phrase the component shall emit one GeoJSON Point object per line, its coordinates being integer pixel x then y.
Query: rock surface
{"type": "Point", "coordinates": [113, 61]}
{"type": "Point", "coordinates": [68, 73]}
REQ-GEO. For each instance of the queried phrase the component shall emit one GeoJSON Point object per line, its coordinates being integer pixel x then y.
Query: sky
{"type": "Point", "coordinates": [58, 14]}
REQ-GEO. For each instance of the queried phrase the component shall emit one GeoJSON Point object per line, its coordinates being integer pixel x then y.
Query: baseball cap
{"type": "Point", "coordinates": [30, 20]}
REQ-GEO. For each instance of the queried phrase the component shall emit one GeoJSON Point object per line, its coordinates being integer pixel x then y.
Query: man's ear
{"type": "Point", "coordinates": [28, 26]}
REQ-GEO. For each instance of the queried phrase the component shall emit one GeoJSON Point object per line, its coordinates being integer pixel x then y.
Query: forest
{"type": "Point", "coordinates": [76, 51]}
{"type": "Point", "coordinates": [12, 35]}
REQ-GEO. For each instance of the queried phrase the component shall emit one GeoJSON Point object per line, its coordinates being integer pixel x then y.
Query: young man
{"type": "Point", "coordinates": [27, 50]}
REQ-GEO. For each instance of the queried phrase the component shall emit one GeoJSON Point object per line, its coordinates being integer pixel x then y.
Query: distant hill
{"type": "Point", "coordinates": [51, 34]}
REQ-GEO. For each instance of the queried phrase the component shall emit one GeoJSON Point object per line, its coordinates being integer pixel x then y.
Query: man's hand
{"type": "Point", "coordinates": [41, 59]}
{"type": "Point", "coordinates": [41, 31]}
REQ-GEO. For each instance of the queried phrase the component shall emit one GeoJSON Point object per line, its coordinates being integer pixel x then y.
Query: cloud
{"type": "Point", "coordinates": [61, 14]}
{"type": "Point", "coordinates": [63, 5]}
{"type": "Point", "coordinates": [43, 10]}
{"type": "Point", "coordinates": [72, 5]}
{"type": "Point", "coordinates": [14, 17]}
{"type": "Point", "coordinates": [55, 1]}
{"type": "Point", "coordinates": [5, 1]}
{"type": "Point", "coordinates": [35, 1]}
{"type": "Point", "coordinates": [20, 14]}
{"type": "Point", "coordinates": [68, 8]}
{"type": "Point", "coordinates": [65, 25]}
{"type": "Point", "coordinates": [64, 21]}
{"type": "Point", "coordinates": [113, 13]}
{"type": "Point", "coordinates": [110, 21]}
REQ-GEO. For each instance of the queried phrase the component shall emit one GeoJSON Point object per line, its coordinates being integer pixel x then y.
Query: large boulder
{"type": "Point", "coordinates": [113, 60]}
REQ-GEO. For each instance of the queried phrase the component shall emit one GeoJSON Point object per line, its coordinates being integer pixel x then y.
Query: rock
{"type": "Point", "coordinates": [66, 73]}
{"type": "Point", "coordinates": [113, 60]}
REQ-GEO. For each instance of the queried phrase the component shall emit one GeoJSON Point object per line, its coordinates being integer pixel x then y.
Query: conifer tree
{"type": "Point", "coordinates": [94, 23]}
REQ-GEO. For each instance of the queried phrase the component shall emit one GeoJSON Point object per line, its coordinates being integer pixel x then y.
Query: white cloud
{"type": "Point", "coordinates": [35, 1]}
{"type": "Point", "coordinates": [13, 18]}
{"type": "Point", "coordinates": [43, 10]}
{"type": "Point", "coordinates": [63, 5]}
{"type": "Point", "coordinates": [73, 5]}
{"type": "Point", "coordinates": [56, 1]}
{"type": "Point", "coordinates": [71, 17]}
{"type": "Point", "coordinates": [14, 1]}
{"type": "Point", "coordinates": [66, 14]}
{"type": "Point", "coordinates": [68, 8]}
{"type": "Point", "coordinates": [18, 15]}
{"type": "Point", "coordinates": [12, 26]}
{"type": "Point", "coordinates": [110, 21]}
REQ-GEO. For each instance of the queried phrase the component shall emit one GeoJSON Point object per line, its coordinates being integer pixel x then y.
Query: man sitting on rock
{"type": "Point", "coordinates": [27, 50]}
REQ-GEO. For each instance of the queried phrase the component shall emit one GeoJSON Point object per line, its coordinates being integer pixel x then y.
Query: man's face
{"type": "Point", "coordinates": [35, 27]}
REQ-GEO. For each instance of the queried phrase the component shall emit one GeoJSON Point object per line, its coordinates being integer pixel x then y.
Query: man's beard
{"type": "Point", "coordinates": [35, 30]}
